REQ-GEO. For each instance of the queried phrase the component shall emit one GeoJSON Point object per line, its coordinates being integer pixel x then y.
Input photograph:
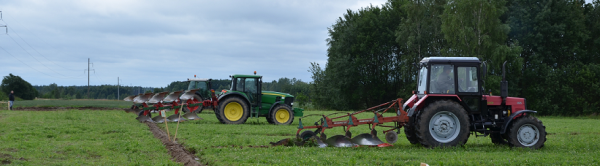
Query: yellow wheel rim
{"type": "Point", "coordinates": [282, 115]}
{"type": "Point", "coordinates": [233, 111]}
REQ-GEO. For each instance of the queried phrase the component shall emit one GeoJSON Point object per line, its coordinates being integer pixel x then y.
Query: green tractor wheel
{"type": "Point", "coordinates": [232, 110]}
{"type": "Point", "coordinates": [281, 115]}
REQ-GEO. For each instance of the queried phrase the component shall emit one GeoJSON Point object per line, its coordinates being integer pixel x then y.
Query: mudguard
{"type": "Point", "coordinates": [512, 117]}
{"type": "Point", "coordinates": [236, 93]}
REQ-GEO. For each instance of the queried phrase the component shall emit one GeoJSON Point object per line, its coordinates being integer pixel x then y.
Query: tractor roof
{"type": "Point", "coordinates": [450, 60]}
{"type": "Point", "coordinates": [199, 79]}
{"type": "Point", "coordinates": [245, 76]}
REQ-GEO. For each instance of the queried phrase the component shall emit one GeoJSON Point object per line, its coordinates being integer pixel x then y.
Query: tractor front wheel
{"type": "Point", "coordinates": [442, 124]}
{"type": "Point", "coordinates": [232, 110]}
{"type": "Point", "coordinates": [527, 132]}
{"type": "Point", "coordinates": [281, 115]}
{"type": "Point", "coordinates": [409, 131]}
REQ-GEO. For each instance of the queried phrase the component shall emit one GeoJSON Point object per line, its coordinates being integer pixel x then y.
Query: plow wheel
{"type": "Point", "coordinates": [307, 135]}
{"type": "Point", "coordinates": [442, 124]}
{"type": "Point", "coordinates": [391, 137]}
{"type": "Point", "coordinates": [527, 132]}
{"type": "Point", "coordinates": [232, 110]}
{"type": "Point", "coordinates": [197, 110]}
{"type": "Point", "coordinates": [281, 115]}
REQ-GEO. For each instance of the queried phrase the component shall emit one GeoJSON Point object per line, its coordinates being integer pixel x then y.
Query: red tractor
{"type": "Point", "coordinates": [450, 102]}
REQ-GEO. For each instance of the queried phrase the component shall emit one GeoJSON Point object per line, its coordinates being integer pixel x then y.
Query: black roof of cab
{"type": "Point", "coordinates": [450, 60]}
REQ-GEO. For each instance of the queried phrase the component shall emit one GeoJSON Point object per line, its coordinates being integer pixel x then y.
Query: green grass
{"type": "Point", "coordinates": [78, 137]}
{"type": "Point", "coordinates": [87, 137]}
{"type": "Point", "coordinates": [571, 141]}
{"type": "Point", "coordinates": [73, 103]}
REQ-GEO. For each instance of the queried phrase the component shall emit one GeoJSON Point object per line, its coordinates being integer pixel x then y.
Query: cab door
{"type": "Point", "coordinates": [467, 86]}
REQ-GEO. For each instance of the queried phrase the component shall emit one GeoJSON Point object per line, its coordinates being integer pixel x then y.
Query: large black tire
{"type": "Point", "coordinates": [498, 139]}
{"type": "Point", "coordinates": [281, 115]}
{"type": "Point", "coordinates": [409, 131]}
{"type": "Point", "coordinates": [232, 110]}
{"type": "Point", "coordinates": [527, 132]}
{"type": "Point", "coordinates": [442, 123]}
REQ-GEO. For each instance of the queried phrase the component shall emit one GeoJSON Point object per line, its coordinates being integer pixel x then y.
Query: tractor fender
{"type": "Point", "coordinates": [235, 94]}
{"type": "Point", "coordinates": [275, 104]}
{"type": "Point", "coordinates": [512, 117]}
{"type": "Point", "coordinates": [419, 104]}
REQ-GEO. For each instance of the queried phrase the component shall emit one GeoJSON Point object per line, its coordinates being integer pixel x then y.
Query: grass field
{"type": "Point", "coordinates": [571, 141]}
{"type": "Point", "coordinates": [77, 137]}
{"type": "Point", "coordinates": [88, 137]}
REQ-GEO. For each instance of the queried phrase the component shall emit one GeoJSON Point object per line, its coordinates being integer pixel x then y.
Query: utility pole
{"type": "Point", "coordinates": [118, 98]}
{"type": "Point", "coordinates": [88, 78]}
{"type": "Point", "coordinates": [88, 71]}
{"type": "Point", "coordinates": [3, 25]}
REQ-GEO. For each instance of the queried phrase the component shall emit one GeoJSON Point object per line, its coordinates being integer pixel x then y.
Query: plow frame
{"type": "Point", "coordinates": [378, 119]}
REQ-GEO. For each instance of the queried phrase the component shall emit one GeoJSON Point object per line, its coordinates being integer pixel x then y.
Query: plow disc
{"type": "Point", "coordinates": [339, 141]}
{"type": "Point", "coordinates": [129, 98]}
{"type": "Point", "coordinates": [144, 116]}
{"type": "Point", "coordinates": [366, 139]}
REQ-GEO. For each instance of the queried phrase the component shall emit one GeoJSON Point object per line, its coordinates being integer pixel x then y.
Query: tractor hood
{"type": "Point", "coordinates": [273, 93]}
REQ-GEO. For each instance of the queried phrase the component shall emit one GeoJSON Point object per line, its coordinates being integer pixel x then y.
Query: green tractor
{"type": "Point", "coordinates": [246, 99]}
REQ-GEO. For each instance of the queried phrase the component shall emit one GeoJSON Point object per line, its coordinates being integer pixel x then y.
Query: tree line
{"type": "Point", "coordinates": [550, 46]}
{"type": "Point", "coordinates": [26, 91]}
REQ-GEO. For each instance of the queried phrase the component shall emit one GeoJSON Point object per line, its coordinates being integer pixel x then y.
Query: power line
{"type": "Point", "coordinates": [34, 56]}
{"type": "Point", "coordinates": [13, 30]}
{"type": "Point", "coordinates": [23, 62]}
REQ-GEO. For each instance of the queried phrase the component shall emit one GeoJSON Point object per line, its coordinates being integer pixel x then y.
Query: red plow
{"type": "Point", "coordinates": [349, 121]}
{"type": "Point", "coordinates": [189, 103]}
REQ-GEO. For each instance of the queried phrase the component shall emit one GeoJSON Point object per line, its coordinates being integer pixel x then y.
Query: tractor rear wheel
{"type": "Point", "coordinates": [281, 115]}
{"type": "Point", "coordinates": [442, 123]}
{"type": "Point", "coordinates": [232, 110]}
{"type": "Point", "coordinates": [527, 132]}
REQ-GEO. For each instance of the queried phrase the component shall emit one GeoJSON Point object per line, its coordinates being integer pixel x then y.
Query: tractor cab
{"type": "Point", "coordinates": [249, 86]}
{"type": "Point", "coordinates": [202, 87]}
{"type": "Point", "coordinates": [457, 76]}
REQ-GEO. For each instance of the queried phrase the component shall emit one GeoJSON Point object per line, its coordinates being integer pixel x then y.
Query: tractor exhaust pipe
{"type": "Point", "coordinates": [504, 85]}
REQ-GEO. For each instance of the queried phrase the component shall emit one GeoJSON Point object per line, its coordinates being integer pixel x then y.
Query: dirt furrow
{"type": "Point", "coordinates": [176, 150]}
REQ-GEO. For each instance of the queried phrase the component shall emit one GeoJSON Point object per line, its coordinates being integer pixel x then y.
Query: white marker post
{"type": "Point", "coordinates": [164, 115]}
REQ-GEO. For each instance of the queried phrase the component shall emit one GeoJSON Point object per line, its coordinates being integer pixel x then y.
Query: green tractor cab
{"type": "Point", "coordinates": [245, 100]}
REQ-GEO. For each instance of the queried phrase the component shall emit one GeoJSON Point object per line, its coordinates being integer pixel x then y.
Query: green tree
{"type": "Point", "coordinates": [473, 28]}
{"type": "Point", "coordinates": [22, 88]}
{"type": "Point", "coordinates": [552, 34]}
{"type": "Point", "coordinates": [364, 60]}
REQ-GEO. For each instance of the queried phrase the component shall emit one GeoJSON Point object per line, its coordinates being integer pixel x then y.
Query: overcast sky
{"type": "Point", "coordinates": [152, 43]}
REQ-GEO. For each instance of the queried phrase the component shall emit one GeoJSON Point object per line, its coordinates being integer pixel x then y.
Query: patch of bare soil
{"type": "Point", "coordinates": [5, 159]}
{"type": "Point", "coordinates": [61, 108]}
{"type": "Point", "coordinates": [177, 151]}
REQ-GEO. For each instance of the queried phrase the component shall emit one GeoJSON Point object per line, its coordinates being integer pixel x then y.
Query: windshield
{"type": "Point", "coordinates": [197, 85]}
{"type": "Point", "coordinates": [442, 79]}
{"type": "Point", "coordinates": [421, 83]}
